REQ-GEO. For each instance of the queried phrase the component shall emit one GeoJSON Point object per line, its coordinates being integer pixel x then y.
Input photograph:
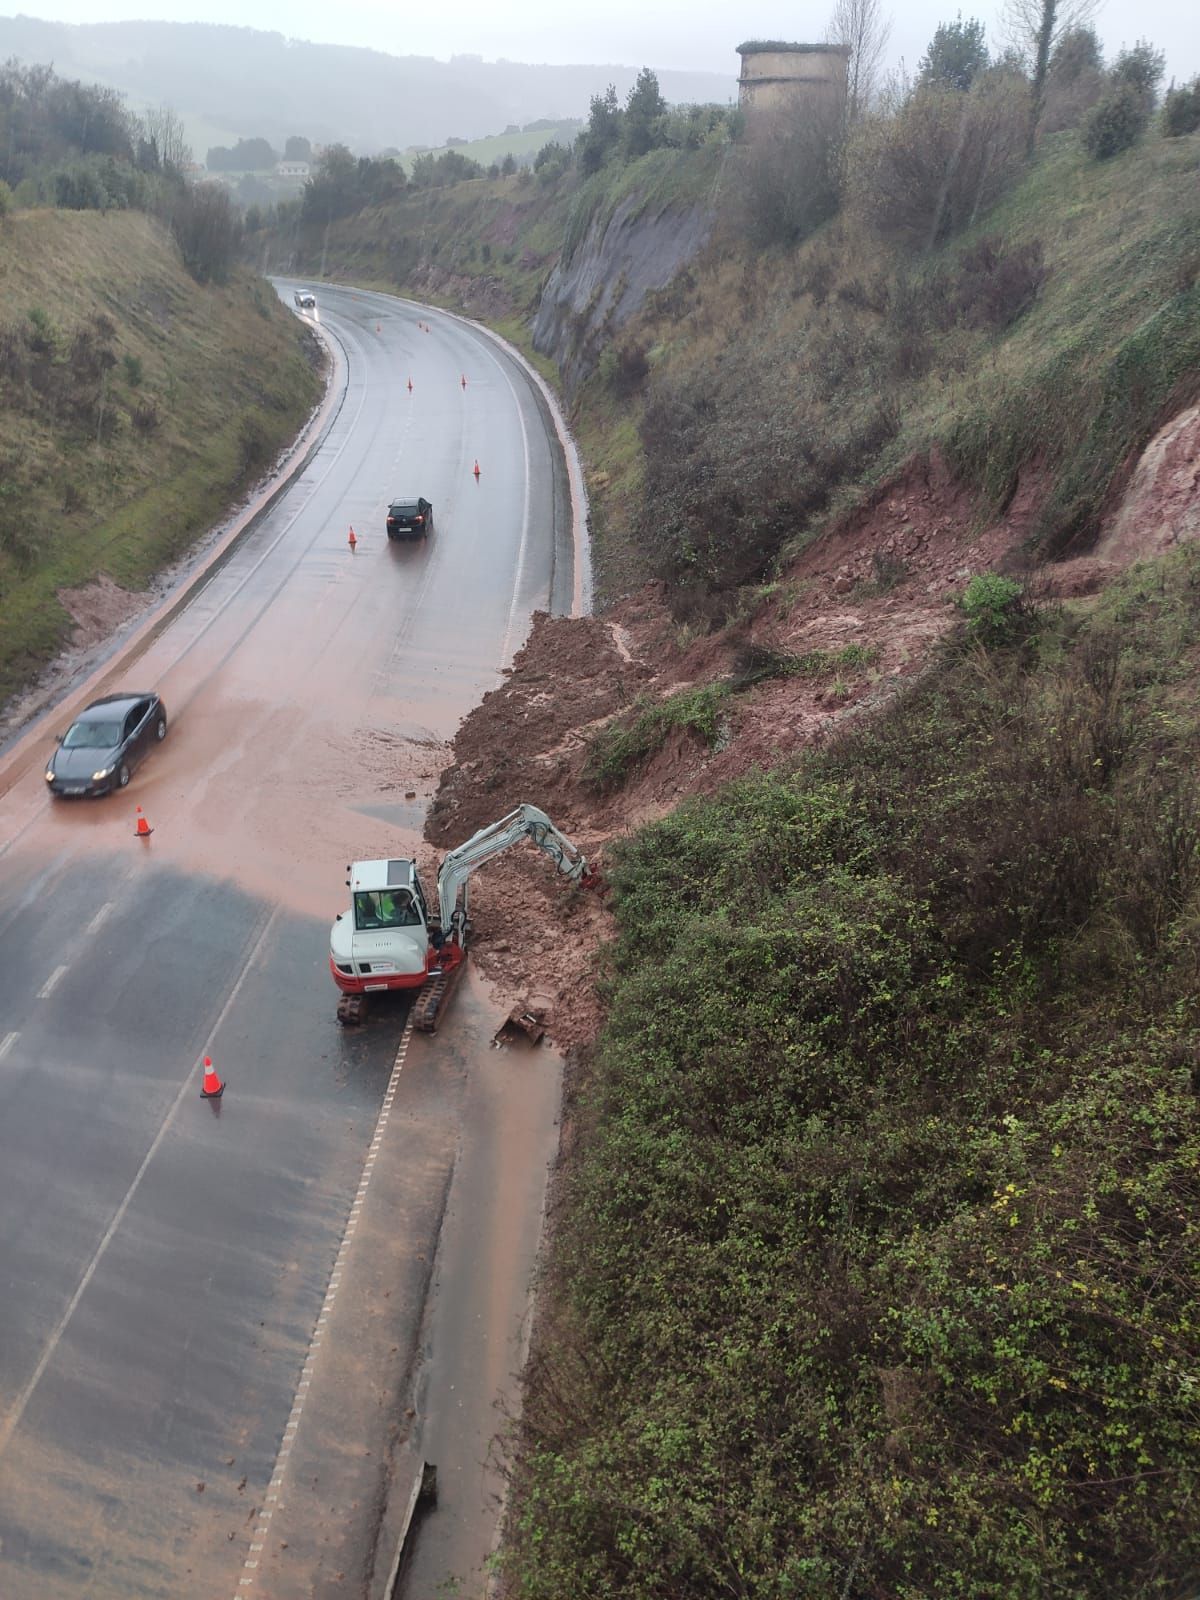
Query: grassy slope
{"type": "Point", "coordinates": [224, 369]}
{"type": "Point", "coordinates": [875, 1260]}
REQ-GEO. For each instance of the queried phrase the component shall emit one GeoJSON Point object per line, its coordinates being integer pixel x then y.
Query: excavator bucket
{"type": "Point", "coordinates": [528, 1019]}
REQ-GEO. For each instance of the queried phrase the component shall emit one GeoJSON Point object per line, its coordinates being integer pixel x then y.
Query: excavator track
{"type": "Point", "coordinates": [434, 996]}
{"type": "Point", "coordinates": [351, 1010]}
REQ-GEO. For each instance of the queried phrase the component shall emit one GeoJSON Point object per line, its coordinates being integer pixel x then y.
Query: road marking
{"type": "Point", "coordinates": [188, 1086]}
{"type": "Point", "coordinates": [100, 916]}
{"type": "Point", "coordinates": [7, 1043]}
{"type": "Point", "coordinates": [47, 988]}
{"type": "Point", "coordinates": [271, 1500]}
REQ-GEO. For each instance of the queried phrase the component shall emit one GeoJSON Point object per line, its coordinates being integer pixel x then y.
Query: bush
{"type": "Point", "coordinates": [1116, 122]}
{"type": "Point", "coordinates": [134, 370]}
{"type": "Point", "coordinates": [1181, 110]}
{"type": "Point", "coordinates": [923, 175]}
{"type": "Point", "coordinates": [997, 285]}
{"type": "Point", "coordinates": [993, 608]}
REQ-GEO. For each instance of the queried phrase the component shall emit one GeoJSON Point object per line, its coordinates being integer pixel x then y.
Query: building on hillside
{"type": "Point", "coordinates": [292, 169]}
{"type": "Point", "coordinates": [778, 79]}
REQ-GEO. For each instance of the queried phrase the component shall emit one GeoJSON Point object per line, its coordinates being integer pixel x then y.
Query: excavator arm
{"type": "Point", "coordinates": [526, 822]}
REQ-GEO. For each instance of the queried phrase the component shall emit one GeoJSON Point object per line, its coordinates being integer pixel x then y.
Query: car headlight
{"type": "Point", "coordinates": [103, 773]}
{"type": "Point", "coordinates": [49, 774]}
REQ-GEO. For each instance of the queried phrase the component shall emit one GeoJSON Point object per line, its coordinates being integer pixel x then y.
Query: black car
{"type": "Point", "coordinates": [409, 518]}
{"type": "Point", "coordinates": [103, 745]}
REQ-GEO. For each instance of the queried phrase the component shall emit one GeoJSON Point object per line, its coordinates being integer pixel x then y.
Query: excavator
{"type": "Point", "coordinates": [388, 939]}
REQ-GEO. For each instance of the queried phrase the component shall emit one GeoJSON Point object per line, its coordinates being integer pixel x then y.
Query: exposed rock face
{"type": "Point", "coordinates": [620, 260]}
{"type": "Point", "coordinates": [1161, 506]}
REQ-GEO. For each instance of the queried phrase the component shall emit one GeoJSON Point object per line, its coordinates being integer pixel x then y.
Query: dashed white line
{"type": "Point", "coordinates": [271, 1500]}
{"type": "Point", "coordinates": [100, 916]}
{"type": "Point", "coordinates": [188, 1086]}
{"type": "Point", "coordinates": [47, 988]}
{"type": "Point", "coordinates": [7, 1043]}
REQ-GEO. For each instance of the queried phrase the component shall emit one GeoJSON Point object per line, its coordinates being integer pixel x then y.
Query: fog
{"type": "Point", "coordinates": [674, 33]}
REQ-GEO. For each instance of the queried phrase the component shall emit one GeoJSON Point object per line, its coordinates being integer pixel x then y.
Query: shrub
{"type": "Point", "coordinates": [1116, 122]}
{"type": "Point", "coordinates": [997, 285]}
{"type": "Point", "coordinates": [1181, 110]}
{"type": "Point", "coordinates": [146, 418]}
{"type": "Point", "coordinates": [7, 202]}
{"type": "Point", "coordinates": [992, 605]}
{"type": "Point", "coordinates": [255, 441]}
{"type": "Point", "coordinates": [925, 174]}
{"type": "Point", "coordinates": [134, 370]}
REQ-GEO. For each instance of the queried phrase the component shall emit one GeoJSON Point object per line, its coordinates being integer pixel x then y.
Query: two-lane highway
{"type": "Point", "coordinates": [164, 1262]}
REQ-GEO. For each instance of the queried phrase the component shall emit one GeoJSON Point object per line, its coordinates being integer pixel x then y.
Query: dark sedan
{"type": "Point", "coordinates": [105, 743]}
{"type": "Point", "coordinates": [411, 519]}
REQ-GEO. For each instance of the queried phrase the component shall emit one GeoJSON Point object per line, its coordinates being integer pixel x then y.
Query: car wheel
{"type": "Point", "coordinates": [122, 776]}
{"type": "Point", "coordinates": [160, 728]}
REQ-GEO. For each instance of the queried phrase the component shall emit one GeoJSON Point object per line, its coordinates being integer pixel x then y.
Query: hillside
{"type": "Point", "coordinates": [227, 83]}
{"type": "Point", "coordinates": [136, 405]}
{"type": "Point", "coordinates": [873, 1256]}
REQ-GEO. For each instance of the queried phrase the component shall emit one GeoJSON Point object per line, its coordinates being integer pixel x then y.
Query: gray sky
{"type": "Point", "coordinates": [696, 34]}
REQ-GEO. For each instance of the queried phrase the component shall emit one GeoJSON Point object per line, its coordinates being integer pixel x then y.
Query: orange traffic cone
{"type": "Point", "coordinates": [464, 380]}
{"type": "Point", "coordinates": [379, 327]}
{"type": "Point", "coordinates": [476, 468]}
{"type": "Point", "coordinates": [410, 386]}
{"type": "Point", "coordinates": [352, 541]}
{"type": "Point", "coordinates": [143, 829]}
{"type": "Point", "coordinates": [213, 1087]}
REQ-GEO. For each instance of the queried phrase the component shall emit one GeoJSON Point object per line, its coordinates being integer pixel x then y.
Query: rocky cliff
{"type": "Point", "coordinates": [622, 257]}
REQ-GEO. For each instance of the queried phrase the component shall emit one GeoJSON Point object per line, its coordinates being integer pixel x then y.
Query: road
{"type": "Point", "coordinates": [211, 1312]}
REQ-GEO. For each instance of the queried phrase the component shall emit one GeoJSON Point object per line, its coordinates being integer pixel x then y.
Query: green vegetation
{"type": "Point", "coordinates": [134, 406]}
{"type": "Point", "coordinates": [874, 1269]}
{"type": "Point", "coordinates": [625, 744]}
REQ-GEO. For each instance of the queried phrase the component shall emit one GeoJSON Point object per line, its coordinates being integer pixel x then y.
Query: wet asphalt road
{"type": "Point", "coordinates": [164, 1261]}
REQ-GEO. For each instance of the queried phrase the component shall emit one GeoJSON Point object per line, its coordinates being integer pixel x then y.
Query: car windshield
{"type": "Point", "coordinates": [93, 736]}
{"type": "Point", "coordinates": [385, 908]}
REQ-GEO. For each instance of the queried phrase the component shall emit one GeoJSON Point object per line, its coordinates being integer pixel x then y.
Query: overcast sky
{"type": "Point", "coordinates": [697, 34]}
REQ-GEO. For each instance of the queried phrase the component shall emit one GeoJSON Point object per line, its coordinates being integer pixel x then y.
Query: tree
{"type": "Point", "coordinates": [1034, 27]}
{"type": "Point", "coordinates": [1141, 69]}
{"type": "Point", "coordinates": [956, 56]}
{"type": "Point", "coordinates": [602, 132]}
{"type": "Point", "coordinates": [858, 26]}
{"type": "Point", "coordinates": [165, 131]}
{"type": "Point", "coordinates": [1181, 110]}
{"type": "Point", "coordinates": [297, 148]}
{"type": "Point", "coordinates": [1116, 122]}
{"type": "Point", "coordinates": [644, 109]}
{"type": "Point", "coordinates": [1075, 79]}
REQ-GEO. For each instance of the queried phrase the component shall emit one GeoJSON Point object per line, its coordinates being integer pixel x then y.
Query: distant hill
{"type": "Point", "coordinates": [228, 83]}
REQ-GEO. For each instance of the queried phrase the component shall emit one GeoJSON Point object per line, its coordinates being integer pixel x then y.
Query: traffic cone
{"type": "Point", "coordinates": [352, 541]}
{"type": "Point", "coordinates": [143, 829]}
{"type": "Point", "coordinates": [379, 327]}
{"type": "Point", "coordinates": [410, 386]}
{"type": "Point", "coordinates": [464, 380]}
{"type": "Point", "coordinates": [213, 1087]}
{"type": "Point", "coordinates": [476, 467]}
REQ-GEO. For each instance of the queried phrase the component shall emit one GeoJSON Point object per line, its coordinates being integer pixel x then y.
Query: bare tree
{"type": "Point", "coordinates": [165, 128]}
{"type": "Point", "coordinates": [860, 27]}
{"type": "Point", "coordinates": [1034, 27]}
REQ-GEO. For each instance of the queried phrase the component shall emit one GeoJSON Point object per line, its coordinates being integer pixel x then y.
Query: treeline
{"type": "Point", "coordinates": [77, 147]}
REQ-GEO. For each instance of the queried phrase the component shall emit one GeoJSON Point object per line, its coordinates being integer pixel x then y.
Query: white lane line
{"type": "Point", "coordinates": [188, 1086]}
{"type": "Point", "coordinates": [47, 988]}
{"type": "Point", "coordinates": [7, 1043]}
{"type": "Point", "coordinates": [100, 916]}
{"type": "Point", "coordinates": [271, 1500]}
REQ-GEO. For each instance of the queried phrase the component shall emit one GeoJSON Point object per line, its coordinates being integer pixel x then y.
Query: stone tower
{"type": "Point", "coordinates": [778, 79]}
